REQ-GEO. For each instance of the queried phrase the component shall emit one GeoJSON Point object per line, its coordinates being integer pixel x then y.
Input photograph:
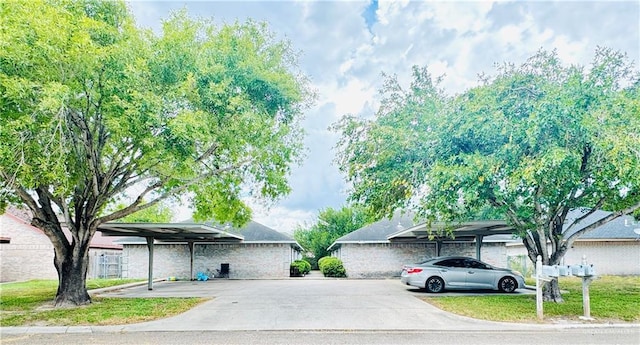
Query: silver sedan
{"type": "Point", "coordinates": [460, 273]}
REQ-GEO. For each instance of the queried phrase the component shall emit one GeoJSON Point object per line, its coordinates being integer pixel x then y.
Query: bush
{"type": "Point", "coordinates": [322, 260]}
{"type": "Point", "coordinates": [303, 266]}
{"type": "Point", "coordinates": [332, 267]}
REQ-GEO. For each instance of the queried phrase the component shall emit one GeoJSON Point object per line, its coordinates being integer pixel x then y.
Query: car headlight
{"type": "Point", "coordinates": [517, 273]}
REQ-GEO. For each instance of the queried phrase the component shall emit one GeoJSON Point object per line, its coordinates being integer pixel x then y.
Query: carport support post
{"type": "Point", "coordinates": [478, 246]}
{"type": "Point", "coordinates": [150, 246]}
{"type": "Point", "coordinates": [191, 244]}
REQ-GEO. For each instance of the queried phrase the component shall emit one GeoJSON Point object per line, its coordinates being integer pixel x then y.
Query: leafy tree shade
{"type": "Point", "coordinates": [93, 109]}
{"type": "Point", "coordinates": [532, 143]}
{"type": "Point", "coordinates": [157, 213]}
{"type": "Point", "coordinates": [331, 225]}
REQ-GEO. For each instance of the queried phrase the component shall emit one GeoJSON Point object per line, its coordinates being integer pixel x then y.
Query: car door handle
{"type": "Point", "coordinates": [471, 272]}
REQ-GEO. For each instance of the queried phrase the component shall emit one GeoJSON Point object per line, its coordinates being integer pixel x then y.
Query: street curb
{"type": "Point", "coordinates": [120, 287]}
{"type": "Point", "coordinates": [127, 329]}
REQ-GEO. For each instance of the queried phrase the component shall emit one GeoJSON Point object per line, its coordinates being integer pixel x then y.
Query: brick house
{"type": "Point", "coordinates": [27, 253]}
{"type": "Point", "coordinates": [252, 252]}
{"type": "Point", "coordinates": [613, 248]}
{"type": "Point", "coordinates": [380, 249]}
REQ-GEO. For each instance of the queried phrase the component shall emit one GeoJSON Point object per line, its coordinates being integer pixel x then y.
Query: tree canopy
{"type": "Point", "coordinates": [531, 143]}
{"type": "Point", "coordinates": [94, 109]}
{"type": "Point", "coordinates": [158, 213]}
{"type": "Point", "coordinates": [331, 225]}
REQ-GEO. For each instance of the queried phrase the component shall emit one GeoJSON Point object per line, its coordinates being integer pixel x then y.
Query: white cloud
{"type": "Point", "coordinates": [459, 39]}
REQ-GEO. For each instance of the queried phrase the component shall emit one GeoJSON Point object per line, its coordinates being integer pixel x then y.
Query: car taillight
{"type": "Point", "coordinates": [414, 270]}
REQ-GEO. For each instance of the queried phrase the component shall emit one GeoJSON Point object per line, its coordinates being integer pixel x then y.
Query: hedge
{"type": "Point", "coordinates": [303, 266]}
{"type": "Point", "coordinates": [332, 267]}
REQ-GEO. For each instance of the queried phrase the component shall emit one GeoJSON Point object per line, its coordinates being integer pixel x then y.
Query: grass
{"type": "Point", "coordinates": [613, 299]}
{"type": "Point", "coordinates": [31, 304]}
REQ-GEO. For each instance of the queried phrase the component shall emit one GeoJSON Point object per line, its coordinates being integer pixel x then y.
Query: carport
{"type": "Point", "coordinates": [169, 232]}
{"type": "Point", "coordinates": [462, 232]}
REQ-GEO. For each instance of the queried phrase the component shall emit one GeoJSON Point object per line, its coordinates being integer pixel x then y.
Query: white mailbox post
{"type": "Point", "coordinates": [588, 274]}
{"type": "Point", "coordinates": [540, 279]}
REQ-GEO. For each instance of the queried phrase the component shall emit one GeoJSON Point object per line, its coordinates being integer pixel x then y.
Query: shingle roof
{"type": "Point", "coordinates": [619, 228]}
{"type": "Point", "coordinates": [379, 230]}
{"type": "Point", "coordinates": [256, 232]}
{"type": "Point", "coordinates": [252, 232]}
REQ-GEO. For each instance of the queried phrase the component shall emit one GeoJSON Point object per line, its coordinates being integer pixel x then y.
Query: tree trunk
{"type": "Point", "coordinates": [72, 275]}
{"type": "Point", "coordinates": [551, 292]}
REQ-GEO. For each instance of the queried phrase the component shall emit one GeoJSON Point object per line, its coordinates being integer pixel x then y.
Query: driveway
{"type": "Point", "coordinates": [302, 304]}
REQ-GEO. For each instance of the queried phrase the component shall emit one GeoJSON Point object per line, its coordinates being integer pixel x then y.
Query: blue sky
{"type": "Point", "coordinates": [346, 45]}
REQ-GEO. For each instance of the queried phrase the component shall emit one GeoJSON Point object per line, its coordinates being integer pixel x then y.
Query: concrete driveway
{"type": "Point", "coordinates": [302, 304]}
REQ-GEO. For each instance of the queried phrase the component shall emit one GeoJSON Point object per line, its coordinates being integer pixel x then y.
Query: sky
{"type": "Point", "coordinates": [346, 46]}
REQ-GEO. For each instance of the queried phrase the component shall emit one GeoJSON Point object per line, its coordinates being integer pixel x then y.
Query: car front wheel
{"type": "Point", "coordinates": [434, 284]}
{"type": "Point", "coordinates": [507, 284]}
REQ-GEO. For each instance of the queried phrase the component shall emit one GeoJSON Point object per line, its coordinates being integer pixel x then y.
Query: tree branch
{"type": "Point", "coordinates": [604, 220]}
{"type": "Point", "coordinates": [597, 206]}
{"type": "Point", "coordinates": [136, 205]}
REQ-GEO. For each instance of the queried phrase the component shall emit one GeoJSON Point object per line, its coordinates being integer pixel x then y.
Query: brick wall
{"type": "Point", "coordinates": [615, 258]}
{"type": "Point", "coordinates": [608, 257]}
{"type": "Point", "coordinates": [246, 261]}
{"type": "Point", "coordinates": [29, 255]}
{"type": "Point", "coordinates": [385, 260]}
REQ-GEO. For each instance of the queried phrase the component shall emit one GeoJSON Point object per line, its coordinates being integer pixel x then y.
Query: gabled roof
{"type": "Point", "coordinates": [401, 228]}
{"type": "Point", "coordinates": [258, 233]}
{"type": "Point", "coordinates": [620, 228]}
{"type": "Point", "coordinates": [379, 231]}
{"type": "Point", "coordinates": [253, 232]}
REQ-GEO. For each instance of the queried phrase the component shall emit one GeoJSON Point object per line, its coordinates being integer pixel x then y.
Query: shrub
{"type": "Point", "coordinates": [303, 266]}
{"type": "Point", "coordinates": [322, 260]}
{"type": "Point", "coordinates": [332, 267]}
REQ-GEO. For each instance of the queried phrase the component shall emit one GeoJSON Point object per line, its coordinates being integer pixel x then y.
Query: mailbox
{"type": "Point", "coordinates": [578, 270]}
{"type": "Point", "coordinates": [564, 271]}
{"type": "Point", "coordinates": [550, 271]}
{"type": "Point", "coordinates": [589, 271]}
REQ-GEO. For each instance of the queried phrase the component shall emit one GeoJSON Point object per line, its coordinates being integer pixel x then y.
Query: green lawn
{"type": "Point", "coordinates": [613, 299]}
{"type": "Point", "coordinates": [31, 303]}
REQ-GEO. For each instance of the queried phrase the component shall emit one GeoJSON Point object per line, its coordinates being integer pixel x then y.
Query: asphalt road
{"type": "Point", "coordinates": [622, 336]}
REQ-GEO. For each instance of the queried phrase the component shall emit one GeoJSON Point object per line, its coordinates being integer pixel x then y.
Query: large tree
{"type": "Point", "coordinates": [531, 143]}
{"type": "Point", "coordinates": [94, 109]}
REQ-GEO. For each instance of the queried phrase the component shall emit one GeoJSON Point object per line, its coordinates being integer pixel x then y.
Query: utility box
{"type": "Point", "coordinates": [550, 271]}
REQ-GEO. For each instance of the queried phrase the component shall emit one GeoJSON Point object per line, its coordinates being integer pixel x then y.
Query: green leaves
{"type": "Point", "coordinates": [91, 106]}
{"type": "Point", "coordinates": [531, 143]}
{"type": "Point", "coordinates": [331, 225]}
